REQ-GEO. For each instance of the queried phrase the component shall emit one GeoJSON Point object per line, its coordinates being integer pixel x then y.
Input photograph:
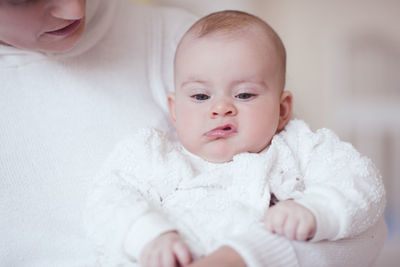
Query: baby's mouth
{"type": "Point", "coordinates": [222, 131]}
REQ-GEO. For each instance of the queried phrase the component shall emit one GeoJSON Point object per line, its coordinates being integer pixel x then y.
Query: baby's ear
{"type": "Point", "coordinates": [286, 106]}
{"type": "Point", "coordinates": [171, 106]}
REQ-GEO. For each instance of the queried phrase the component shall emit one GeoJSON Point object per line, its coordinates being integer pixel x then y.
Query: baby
{"type": "Point", "coordinates": [240, 161]}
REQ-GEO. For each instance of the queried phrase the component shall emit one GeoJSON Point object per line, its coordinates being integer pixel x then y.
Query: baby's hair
{"type": "Point", "coordinates": [231, 23]}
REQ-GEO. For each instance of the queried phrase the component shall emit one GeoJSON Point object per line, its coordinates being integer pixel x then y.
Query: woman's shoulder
{"type": "Point", "coordinates": [174, 15]}
{"type": "Point", "coordinates": [168, 16]}
{"type": "Point", "coordinates": [172, 21]}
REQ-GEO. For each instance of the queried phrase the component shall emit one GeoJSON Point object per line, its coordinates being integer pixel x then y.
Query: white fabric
{"type": "Point", "coordinates": [62, 114]}
{"type": "Point", "coordinates": [360, 251]}
{"type": "Point", "coordinates": [215, 204]}
{"type": "Point", "coordinates": [154, 223]}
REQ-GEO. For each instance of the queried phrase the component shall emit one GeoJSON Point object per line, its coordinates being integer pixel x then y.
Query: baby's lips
{"type": "Point", "coordinates": [222, 131]}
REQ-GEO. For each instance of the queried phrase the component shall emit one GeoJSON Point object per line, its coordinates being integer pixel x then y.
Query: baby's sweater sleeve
{"type": "Point", "coordinates": [122, 213]}
{"type": "Point", "coordinates": [343, 189]}
{"type": "Point", "coordinates": [259, 248]}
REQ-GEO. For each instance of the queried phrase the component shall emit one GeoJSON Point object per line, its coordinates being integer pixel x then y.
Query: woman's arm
{"type": "Point", "coordinates": [360, 251]}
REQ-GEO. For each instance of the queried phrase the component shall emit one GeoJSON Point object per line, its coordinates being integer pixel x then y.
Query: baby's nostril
{"type": "Point", "coordinates": [227, 128]}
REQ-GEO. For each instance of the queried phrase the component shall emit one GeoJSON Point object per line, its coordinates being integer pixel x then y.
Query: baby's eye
{"type": "Point", "coordinates": [200, 97]}
{"type": "Point", "coordinates": [245, 96]}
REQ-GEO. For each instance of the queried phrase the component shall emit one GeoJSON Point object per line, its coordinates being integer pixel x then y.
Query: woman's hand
{"type": "Point", "coordinates": [223, 257]}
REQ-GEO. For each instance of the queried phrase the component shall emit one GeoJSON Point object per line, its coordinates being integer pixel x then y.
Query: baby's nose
{"type": "Point", "coordinates": [223, 108]}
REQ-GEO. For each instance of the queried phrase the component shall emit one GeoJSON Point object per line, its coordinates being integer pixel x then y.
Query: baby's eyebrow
{"type": "Point", "coordinates": [249, 80]}
{"type": "Point", "coordinates": [193, 80]}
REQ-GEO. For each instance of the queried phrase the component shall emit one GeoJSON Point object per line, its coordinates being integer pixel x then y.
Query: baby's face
{"type": "Point", "coordinates": [227, 96]}
{"type": "Point", "coordinates": [42, 25]}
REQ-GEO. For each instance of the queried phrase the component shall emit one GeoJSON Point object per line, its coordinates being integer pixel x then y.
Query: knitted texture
{"type": "Point", "coordinates": [222, 204]}
{"type": "Point", "coordinates": [61, 115]}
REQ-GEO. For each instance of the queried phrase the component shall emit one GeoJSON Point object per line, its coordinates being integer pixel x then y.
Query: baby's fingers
{"type": "Point", "coordinates": [290, 228]}
{"type": "Point", "coordinates": [168, 259]}
{"type": "Point", "coordinates": [276, 222]}
{"type": "Point", "coordinates": [302, 232]}
{"type": "Point", "coordinates": [152, 260]}
{"type": "Point", "coordinates": [182, 253]}
{"type": "Point", "coordinates": [305, 231]}
{"type": "Point", "coordinates": [268, 223]}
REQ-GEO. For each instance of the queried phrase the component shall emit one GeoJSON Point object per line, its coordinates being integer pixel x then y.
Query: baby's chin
{"type": "Point", "coordinates": [219, 152]}
{"type": "Point", "coordinates": [219, 157]}
{"type": "Point", "coordinates": [223, 154]}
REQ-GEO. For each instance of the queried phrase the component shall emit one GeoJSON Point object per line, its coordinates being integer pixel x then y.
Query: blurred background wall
{"type": "Point", "coordinates": [344, 72]}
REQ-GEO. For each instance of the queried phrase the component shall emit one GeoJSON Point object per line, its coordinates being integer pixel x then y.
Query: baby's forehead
{"type": "Point", "coordinates": [250, 33]}
{"type": "Point", "coordinates": [234, 24]}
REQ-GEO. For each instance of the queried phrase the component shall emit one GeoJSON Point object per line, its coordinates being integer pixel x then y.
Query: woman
{"type": "Point", "coordinates": [72, 82]}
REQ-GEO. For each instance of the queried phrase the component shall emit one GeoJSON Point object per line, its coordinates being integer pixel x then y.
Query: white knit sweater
{"type": "Point", "coordinates": [61, 115]}
{"type": "Point", "coordinates": [151, 184]}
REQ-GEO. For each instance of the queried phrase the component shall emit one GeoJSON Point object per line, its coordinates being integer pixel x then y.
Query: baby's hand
{"type": "Point", "coordinates": [167, 250]}
{"type": "Point", "coordinates": [293, 220]}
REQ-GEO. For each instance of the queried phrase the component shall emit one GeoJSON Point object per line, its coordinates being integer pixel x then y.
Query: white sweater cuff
{"type": "Point", "coordinates": [327, 225]}
{"type": "Point", "coordinates": [260, 248]}
{"type": "Point", "coordinates": [143, 231]}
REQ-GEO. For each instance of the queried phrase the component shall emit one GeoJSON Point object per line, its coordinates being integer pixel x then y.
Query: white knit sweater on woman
{"type": "Point", "coordinates": [61, 115]}
{"type": "Point", "coordinates": [151, 185]}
